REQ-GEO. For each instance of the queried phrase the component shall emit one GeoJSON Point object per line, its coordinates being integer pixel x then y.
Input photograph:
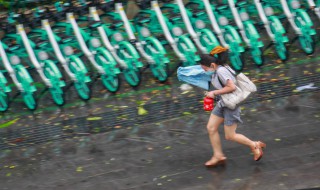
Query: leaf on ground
{"type": "Point", "coordinates": [9, 123]}
{"type": "Point", "coordinates": [142, 111]}
{"type": "Point", "coordinates": [94, 118]}
{"type": "Point", "coordinates": [184, 92]}
{"type": "Point", "coordinates": [79, 169]}
{"type": "Point", "coordinates": [167, 147]}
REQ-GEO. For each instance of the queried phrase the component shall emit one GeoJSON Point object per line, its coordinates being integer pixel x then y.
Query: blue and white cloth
{"type": "Point", "coordinates": [194, 75]}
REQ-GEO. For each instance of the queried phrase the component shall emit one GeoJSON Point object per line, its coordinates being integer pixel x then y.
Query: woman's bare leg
{"type": "Point", "coordinates": [256, 146]}
{"type": "Point", "coordinates": [212, 127]}
{"type": "Point", "coordinates": [230, 134]}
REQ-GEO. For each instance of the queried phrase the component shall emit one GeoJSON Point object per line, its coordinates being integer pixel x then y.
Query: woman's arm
{"type": "Point", "coordinates": [230, 87]}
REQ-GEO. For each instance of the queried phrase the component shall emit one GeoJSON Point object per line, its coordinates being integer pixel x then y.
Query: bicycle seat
{"type": "Point", "coordinates": [197, 13]}
{"type": "Point", "coordinates": [116, 24]}
{"type": "Point", "coordinates": [221, 7]}
{"type": "Point", "coordinates": [64, 38]}
{"type": "Point", "coordinates": [82, 10]}
{"type": "Point", "coordinates": [9, 28]}
{"type": "Point", "coordinates": [107, 6]}
{"type": "Point", "coordinates": [143, 19]}
{"type": "Point", "coordinates": [143, 4]}
{"type": "Point", "coordinates": [175, 17]}
{"type": "Point", "coordinates": [40, 42]}
{"type": "Point", "coordinates": [12, 47]}
{"type": "Point", "coordinates": [94, 24]}
{"type": "Point", "coordinates": [59, 16]}
{"type": "Point", "coordinates": [240, 3]}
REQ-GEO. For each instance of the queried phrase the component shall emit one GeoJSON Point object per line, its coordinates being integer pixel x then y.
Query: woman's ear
{"type": "Point", "coordinates": [213, 65]}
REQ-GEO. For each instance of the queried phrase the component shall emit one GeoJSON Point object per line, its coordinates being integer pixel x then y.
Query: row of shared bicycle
{"type": "Point", "coordinates": [83, 41]}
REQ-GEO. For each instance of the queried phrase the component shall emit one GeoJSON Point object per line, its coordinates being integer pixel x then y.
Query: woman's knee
{"type": "Point", "coordinates": [212, 129]}
{"type": "Point", "coordinates": [229, 136]}
{"type": "Point", "coordinates": [230, 132]}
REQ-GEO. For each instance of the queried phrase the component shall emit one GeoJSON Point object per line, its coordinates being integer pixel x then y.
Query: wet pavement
{"type": "Point", "coordinates": [154, 136]}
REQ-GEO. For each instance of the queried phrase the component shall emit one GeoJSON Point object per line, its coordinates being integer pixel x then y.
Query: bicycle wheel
{"type": "Point", "coordinates": [160, 71]}
{"type": "Point", "coordinates": [4, 102]}
{"type": "Point", "coordinates": [111, 82]}
{"type": "Point", "coordinates": [132, 77]}
{"type": "Point", "coordinates": [57, 95]}
{"type": "Point", "coordinates": [30, 100]}
{"type": "Point", "coordinates": [307, 44]}
{"type": "Point", "coordinates": [257, 57]}
{"type": "Point", "coordinates": [281, 51]}
{"type": "Point", "coordinates": [83, 90]}
{"type": "Point", "coordinates": [236, 60]}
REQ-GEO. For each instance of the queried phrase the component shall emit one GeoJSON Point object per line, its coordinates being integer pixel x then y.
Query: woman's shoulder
{"type": "Point", "coordinates": [225, 70]}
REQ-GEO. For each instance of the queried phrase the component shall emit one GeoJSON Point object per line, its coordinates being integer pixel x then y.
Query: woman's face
{"type": "Point", "coordinates": [211, 68]}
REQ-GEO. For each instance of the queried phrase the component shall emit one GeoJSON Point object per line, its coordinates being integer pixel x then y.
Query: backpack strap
{"type": "Point", "coordinates": [220, 81]}
{"type": "Point", "coordinates": [233, 73]}
{"type": "Point", "coordinates": [227, 67]}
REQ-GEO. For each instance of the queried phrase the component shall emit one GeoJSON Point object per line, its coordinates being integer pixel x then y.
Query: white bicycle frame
{"type": "Point", "coordinates": [32, 55]}
{"type": "Point", "coordinates": [214, 23]}
{"type": "Point", "coordinates": [9, 68]}
{"type": "Point", "coordinates": [316, 9]}
{"type": "Point", "coordinates": [290, 16]}
{"type": "Point", "coordinates": [83, 46]}
{"type": "Point", "coordinates": [64, 62]}
{"type": "Point", "coordinates": [139, 46]}
{"type": "Point", "coordinates": [238, 20]}
{"type": "Point", "coordinates": [264, 19]}
{"type": "Point", "coordinates": [172, 42]}
{"type": "Point", "coordinates": [189, 26]}
{"type": "Point", "coordinates": [105, 40]}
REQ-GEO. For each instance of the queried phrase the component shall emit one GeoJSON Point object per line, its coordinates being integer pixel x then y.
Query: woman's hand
{"type": "Point", "coordinates": [212, 94]}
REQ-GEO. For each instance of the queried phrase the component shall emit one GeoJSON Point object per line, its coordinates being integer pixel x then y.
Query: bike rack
{"type": "Point", "coordinates": [120, 10]}
{"type": "Point", "coordinates": [316, 9]}
{"type": "Point", "coordinates": [82, 43]}
{"type": "Point", "coordinates": [9, 68]}
{"type": "Point", "coordinates": [264, 19]}
{"type": "Point", "coordinates": [31, 54]}
{"type": "Point", "coordinates": [290, 16]}
{"type": "Point", "coordinates": [189, 27]}
{"type": "Point", "coordinates": [214, 23]}
{"type": "Point", "coordinates": [54, 43]}
{"type": "Point", "coordinates": [166, 31]}
{"type": "Point", "coordinates": [104, 37]}
{"type": "Point", "coordinates": [239, 23]}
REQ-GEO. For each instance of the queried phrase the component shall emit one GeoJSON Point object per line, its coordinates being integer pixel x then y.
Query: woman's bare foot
{"type": "Point", "coordinates": [214, 162]}
{"type": "Point", "coordinates": [257, 150]}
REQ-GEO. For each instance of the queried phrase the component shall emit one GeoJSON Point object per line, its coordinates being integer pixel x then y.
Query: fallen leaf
{"type": "Point", "coordinates": [142, 111]}
{"type": "Point", "coordinates": [94, 118]}
{"type": "Point", "coordinates": [79, 169]}
{"type": "Point", "coordinates": [9, 123]}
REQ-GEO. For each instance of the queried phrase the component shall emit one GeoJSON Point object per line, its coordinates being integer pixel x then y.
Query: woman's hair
{"type": "Point", "coordinates": [218, 55]}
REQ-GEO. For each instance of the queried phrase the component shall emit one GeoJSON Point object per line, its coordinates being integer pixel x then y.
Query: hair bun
{"type": "Point", "coordinates": [217, 50]}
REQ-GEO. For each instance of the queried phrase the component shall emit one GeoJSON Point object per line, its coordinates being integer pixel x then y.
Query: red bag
{"type": "Point", "coordinates": [208, 104]}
